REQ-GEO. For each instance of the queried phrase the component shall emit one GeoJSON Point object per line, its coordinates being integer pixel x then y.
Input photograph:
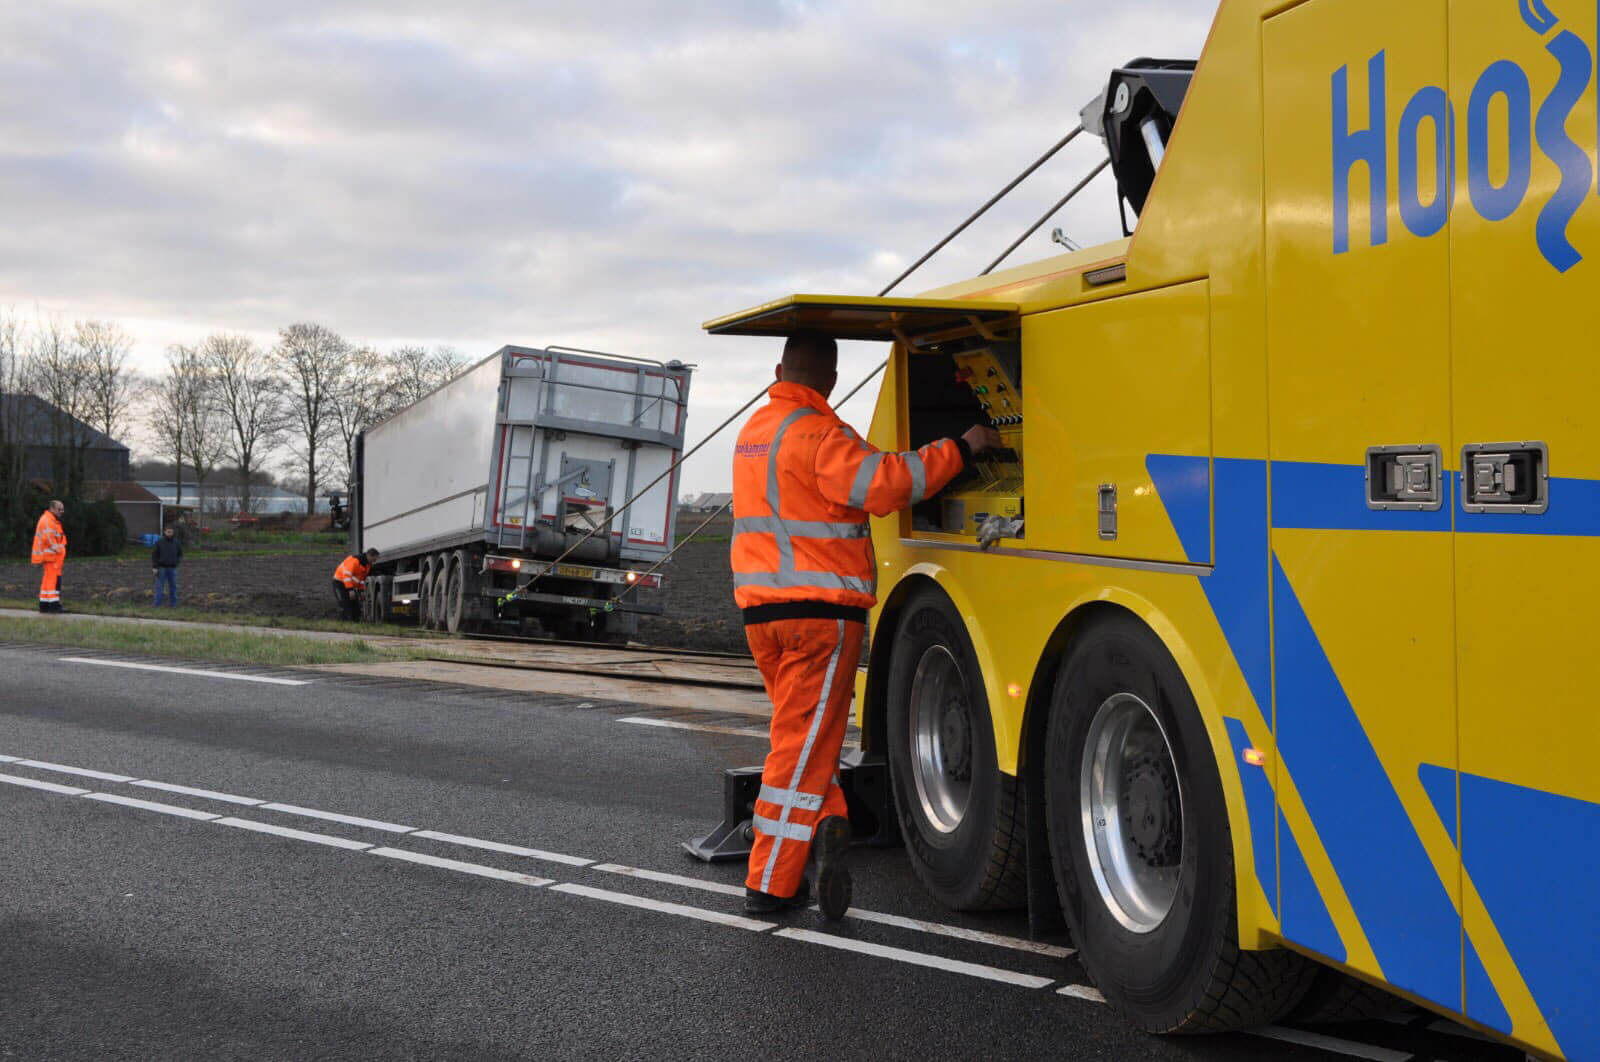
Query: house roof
{"type": "Point", "coordinates": [118, 490]}
{"type": "Point", "coordinates": [33, 422]}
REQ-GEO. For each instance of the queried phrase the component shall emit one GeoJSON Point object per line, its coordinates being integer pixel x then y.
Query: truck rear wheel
{"type": "Point", "coordinates": [425, 595]}
{"type": "Point", "coordinates": [455, 594]}
{"type": "Point", "coordinates": [436, 600]}
{"type": "Point", "coordinates": [958, 812]}
{"type": "Point", "coordinates": [1141, 847]}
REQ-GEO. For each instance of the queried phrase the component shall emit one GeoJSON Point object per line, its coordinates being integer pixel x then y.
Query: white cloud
{"type": "Point", "coordinates": [606, 174]}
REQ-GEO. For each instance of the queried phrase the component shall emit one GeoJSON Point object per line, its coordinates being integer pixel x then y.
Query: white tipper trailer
{"type": "Point", "coordinates": [498, 499]}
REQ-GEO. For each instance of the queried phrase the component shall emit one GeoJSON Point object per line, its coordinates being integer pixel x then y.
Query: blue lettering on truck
{"type": "Point", "coordinates": [1503, 87]}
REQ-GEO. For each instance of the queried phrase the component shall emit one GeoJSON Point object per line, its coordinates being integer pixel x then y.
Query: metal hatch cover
{"type": "Point", "coordinates": [916, 322]}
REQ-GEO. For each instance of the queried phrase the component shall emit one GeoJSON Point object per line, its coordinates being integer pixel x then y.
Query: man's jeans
{"type": "Point", "coordinates": [167, 577]}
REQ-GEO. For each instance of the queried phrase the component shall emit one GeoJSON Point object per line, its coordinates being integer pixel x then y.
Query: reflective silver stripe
{"type": "Point", "coordinates": [919, 477]}
{"type": "Point", "coordinates": [781, 831]}
{"type": "Point", "coordinates": [807, 580]}
{"type": "Point", "coordinates": [790, 798]}
{"type": "Point", "coordinates": [775, 495]}
{"type": "Point", "coordinates": [800, 764]}
{"type": "Point", "coordinates": [864, 474]}
{"type": "Point", "coordinates": [772, 525]}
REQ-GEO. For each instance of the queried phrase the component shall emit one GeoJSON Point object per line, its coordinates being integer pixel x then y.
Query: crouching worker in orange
{"type": "Point", "coordinates": [50, 552]}
{"type": "Point", "coordinates": [348, 579]}
{"type": "Point", "coordinates": [804, 576]}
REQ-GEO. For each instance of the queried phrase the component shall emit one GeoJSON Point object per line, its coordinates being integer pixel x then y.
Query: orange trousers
{"type": "Point", "coordinates": [809, 668]}
{"type": "Point", "coordinates": [50, 584]}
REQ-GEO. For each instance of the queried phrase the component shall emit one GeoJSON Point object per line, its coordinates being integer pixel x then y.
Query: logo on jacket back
{"type": "Point", "coordinates": [751, 449]}
{"type": "Point", "coordinates": [1503, 88]}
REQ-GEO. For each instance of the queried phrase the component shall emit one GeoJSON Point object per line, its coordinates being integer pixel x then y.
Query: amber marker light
{"type": "Point", "coordinates": [515, 564]}
{"type": "Point", "coordinates": [1255, 757]}
{"type": "Point", "coordinates": [1015, 689]}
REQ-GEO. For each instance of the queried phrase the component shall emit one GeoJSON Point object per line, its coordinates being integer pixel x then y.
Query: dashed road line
{"type": "Point", "coordinates": [152, 805]}
{"type": "Point", "coordinates": [507, 849]}
{"type": "Point", "coordinates": [476, 869]}
{"type": "Point", "coordinates": [35, 783]}
{"type": "Point", "coordinates": [1086, 992]}
{"type": "Point", "coordinates": [204, 794]}
{"type": "Point", "coordinates": [333, 816]}
{"type": "Point", "coordinates": [98, 662]}
{"type": "Point", "coordinates": [82, 772]}
{"type": "Point", "coordinates": [670, 879]}
{"type": "Point", "coordinates": [707, 728]}
{"type": "Point", "coordinates": [917, 958]}
{"type": "Point", "coordinates": [628, 899]}
{"type": "Point", "coordinates": [1054, 951]}
{"type": "Point", "coordinates": [295, 835]}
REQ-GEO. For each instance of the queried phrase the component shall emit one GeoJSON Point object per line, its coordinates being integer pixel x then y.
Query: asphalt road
{"type": "Point", "coordinates": [183, 929]}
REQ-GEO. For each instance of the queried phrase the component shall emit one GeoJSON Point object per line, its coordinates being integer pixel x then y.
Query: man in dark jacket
{"type": "Point", "coordinates": [164, 560]}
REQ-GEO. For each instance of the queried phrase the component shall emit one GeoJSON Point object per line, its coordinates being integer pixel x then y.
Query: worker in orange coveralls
{"type": "Point", "coordinates": [348, 579]}
{"type": "Point", "coordinates": [804, 576]}
{"type": "Point", "coordinates": [50, 552]}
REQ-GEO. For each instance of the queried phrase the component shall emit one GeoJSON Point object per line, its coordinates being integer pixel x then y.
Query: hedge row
{"type": "Point", "coordinates": [93, 528]}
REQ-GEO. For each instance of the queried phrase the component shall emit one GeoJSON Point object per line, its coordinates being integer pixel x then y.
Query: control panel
{"type": "Point", "coordinates": [994, 379]}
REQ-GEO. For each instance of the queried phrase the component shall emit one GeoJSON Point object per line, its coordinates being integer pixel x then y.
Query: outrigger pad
{"type": "Point", "coordinates": [865, 781]}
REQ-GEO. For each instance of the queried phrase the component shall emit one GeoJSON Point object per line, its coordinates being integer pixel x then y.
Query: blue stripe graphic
{"type": "Point", "coordinates": [1334, 498]}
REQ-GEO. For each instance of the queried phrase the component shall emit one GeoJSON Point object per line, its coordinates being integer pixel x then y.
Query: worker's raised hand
{"type": "Point", "coordinates": [981, 437]}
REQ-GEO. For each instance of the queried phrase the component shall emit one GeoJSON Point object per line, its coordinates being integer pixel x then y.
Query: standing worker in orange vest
{"type": "Point", "coordinates": [804, 575]}
{"type": "Point", "coordinates": [50, 551]}
{"type": "Point", "coordinates": [349, 577]}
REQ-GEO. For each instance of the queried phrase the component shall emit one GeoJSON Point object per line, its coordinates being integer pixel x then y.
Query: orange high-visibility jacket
{"type": "Point", "coordinates": [49, 541]}
{"type": "Point", "coordinates": [803, 486]}
{"type": "Point", "coordinates": [352, 571]}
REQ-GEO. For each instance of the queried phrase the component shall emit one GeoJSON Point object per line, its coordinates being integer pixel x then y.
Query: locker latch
{"type": "Point", "coordinates": [1405, 477]}
{"type": "Point", "coordinates": [1505, 477]}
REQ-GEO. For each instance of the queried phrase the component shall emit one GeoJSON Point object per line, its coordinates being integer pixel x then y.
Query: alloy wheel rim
{"type": "Point", "coordinates": [1132, 803]}
{"type": "Point", "coordinates": [941, 739]}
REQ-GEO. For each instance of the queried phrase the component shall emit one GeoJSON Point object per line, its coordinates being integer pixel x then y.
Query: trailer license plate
{"type": "Point", "coordinates": [575, 571]}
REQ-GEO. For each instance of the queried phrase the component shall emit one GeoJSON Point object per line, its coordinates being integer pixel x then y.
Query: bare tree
{"type": "Point", "coordinates": [173, 398]}
{"type": "Point", "coordinates": [59, 375]}
{"type": "Point", "coordinates": [362, 400]}
{"type": "Point", "coordinates": [110, 386]}
{"type": "Point", "coordinates": [206, 434]}
{"type": "Point", "coordinates": [415, 371]}
{"type": "Point", "coordinates": [250, 403]}
{"type": "Point", "coordinates": [13, 392]}
{"type": "Point", "coordinates": [314, 362]}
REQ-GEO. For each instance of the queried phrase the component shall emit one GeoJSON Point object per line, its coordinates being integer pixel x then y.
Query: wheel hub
{"type": "Point", "coordinates": [1132, 804]}
{"type": "Point", "coordinates": [941, 739]}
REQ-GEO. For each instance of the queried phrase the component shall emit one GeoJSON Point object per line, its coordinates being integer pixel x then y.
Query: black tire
{"type": "Point", "coordinates": [378, 591]}
{"type": "Point", "coordinates": [455, 592]}
{"type": "Point", "coordinates": [969, 856]}
{"type": "Point", "coordinates": [1337, 997]}
{"type": "Point", "coordinates": [1172, 965]}
{"type": "Point", "coordinates": [441, 580]}
{"type": "Point", "coordinates": [425, 595]}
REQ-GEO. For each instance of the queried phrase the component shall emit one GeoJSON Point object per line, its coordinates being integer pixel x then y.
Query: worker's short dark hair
{"type": "Point", "coordinates": [373, 554]}
{"type": "Point", "coordinates": [811, 351]}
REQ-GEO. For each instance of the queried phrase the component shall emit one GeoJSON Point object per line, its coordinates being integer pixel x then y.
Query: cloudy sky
{"type": "Point", "coordinates": [600, 174]}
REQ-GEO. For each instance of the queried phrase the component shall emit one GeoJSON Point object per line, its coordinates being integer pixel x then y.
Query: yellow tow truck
{"type": "Point", "coordinates": [1282, 684]}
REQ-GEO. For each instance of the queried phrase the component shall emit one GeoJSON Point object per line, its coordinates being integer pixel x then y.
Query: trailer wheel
{"type": "Point", "coordinates": [959, 814]}
{"type": "Point", "coordinates": [425, 595]}
{"type": "Point", "coordinates": [1141, 847]}
{"type": "Point", "coordinates": [455, 594]}
{"type": "Point", "coordinates": [436, 600]}
{"type": "Point", "coordinates": [378, 599]}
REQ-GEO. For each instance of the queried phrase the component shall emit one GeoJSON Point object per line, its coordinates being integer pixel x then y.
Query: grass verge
{"type": "Point", "coordinates": [228, 646]}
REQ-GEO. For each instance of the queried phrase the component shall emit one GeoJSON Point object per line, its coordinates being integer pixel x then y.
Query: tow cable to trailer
{"type": "Point", "coordinates": [610, 606]}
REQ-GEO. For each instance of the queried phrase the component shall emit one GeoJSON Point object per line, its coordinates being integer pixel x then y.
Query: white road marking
{"type": "Point", "coordinates": [673, 724]}
{"type": "Point", "coordinates": [48, 787]}
{"type": "Point", "coordinates": [1055, 951]}
{"type": "Point", "coordinates": [917, 958]}
{"type": "Point", "coordinates": [671, 879]}
{"type": "Point", "coordinates": [508, 849]}
{"type": "Point", "coordinates": [208, 794]}
{"type": "Point", "coordinates": [477, 869]}
{"type": "Point", "coordinates": [627, 899]}
{"type": "Point", "coordinates": [295, 835]}
{"type": "Point", "coordinates": [63, 769]}
{"type": "Point", "coordinates": [333, 816]}
{"type": "Point", "coordinates": [9, 759]}
{"type": "Point", "coordinates": [151, 805]}
{"type": "Point", "coordinates": [184, 671]}
{"type": "Point", "coordinates": [1082, 992]}
{"type": "Point", "coordinates": [1330, 1043]}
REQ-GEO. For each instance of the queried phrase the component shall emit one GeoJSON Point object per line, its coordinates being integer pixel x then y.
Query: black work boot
{"type": "Point", "coordinates": [828, 850]}
{"type": "Point", "coordinates": [758, 902]}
